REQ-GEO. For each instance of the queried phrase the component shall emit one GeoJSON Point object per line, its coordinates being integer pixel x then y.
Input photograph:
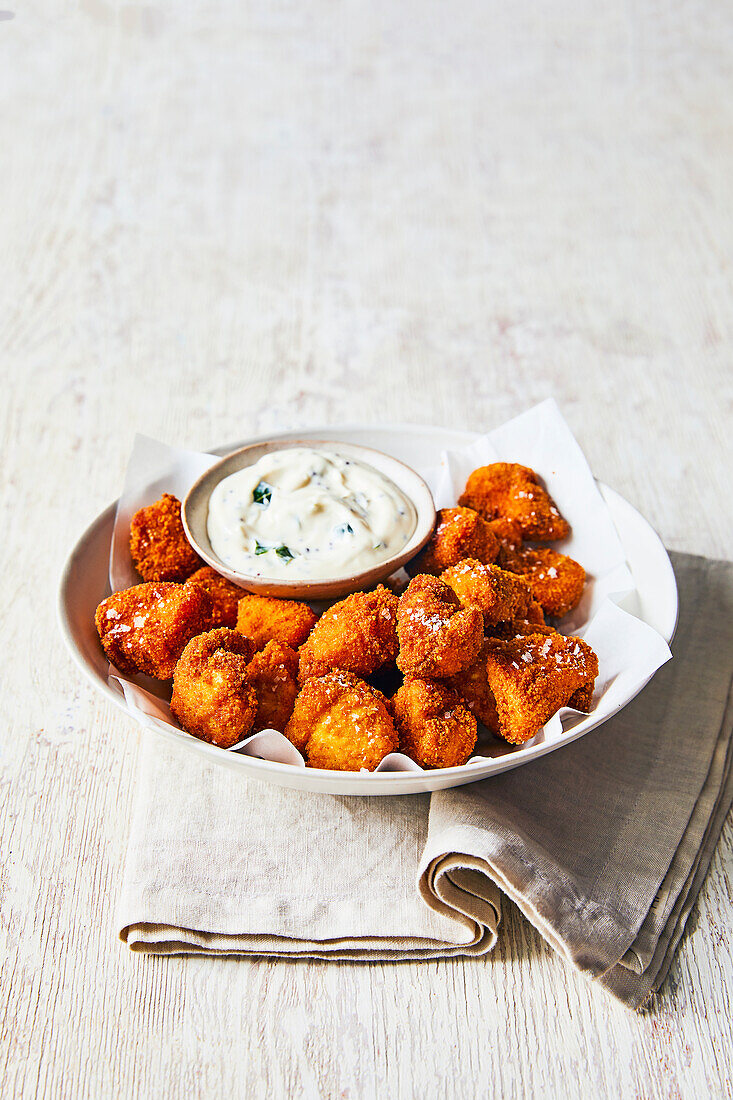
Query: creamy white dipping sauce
{"type": "Point", "coordinates": [307, 514]}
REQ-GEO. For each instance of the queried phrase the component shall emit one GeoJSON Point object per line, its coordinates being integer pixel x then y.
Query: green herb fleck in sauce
{"type": "Point", "coordinates": [262, 494]}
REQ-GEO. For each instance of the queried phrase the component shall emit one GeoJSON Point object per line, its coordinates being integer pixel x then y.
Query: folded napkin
{"type": "Point", "coordinates": [603, 845]}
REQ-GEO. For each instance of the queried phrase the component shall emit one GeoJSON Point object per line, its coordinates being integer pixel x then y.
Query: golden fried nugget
{"type": "Point", "coordinates": [435, 729]}
{"type": "Point", "coordinates": [459, 533]}
{"type": "Point", "coordinates": [158, 544]}
{"type": "Point", "coordinates": [212, 696]}
{"type": "Point", "coordinates": [266, 619]}
{"type": "Point", "coordinates": [357, 635]}
{"type": "Point", "coordinates": [273, 673]}
{"type": "Point", "coordinates": [225, 595]}
{"type": "Point", "coordinates": [533, 677]}
{"type": "Point", "coordinates": [147, 627]}
{"type": "Point", "coordinates": [472, 685]}
{"type": "Point", "coordinates": [509, 536]}
{"type": "Point", "coordinates": [557, 582]}
{"type": "Point", "coordinates": [507, 532]}
{"type": "Point", "coordinates": [499, 595]}
{"type": "Point", "coordinates": [511, 491]}
{"type": "Point", "coordinates": [437, 636]}
{"type": "Point", "coordinates": [342, 723]}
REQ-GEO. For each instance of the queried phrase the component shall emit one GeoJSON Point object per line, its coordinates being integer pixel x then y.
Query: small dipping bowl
{"type": "Point", "coordinates": [195, 513]}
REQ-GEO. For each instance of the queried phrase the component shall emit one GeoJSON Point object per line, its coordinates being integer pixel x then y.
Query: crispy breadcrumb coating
{"type": "Point", "coordinates": [535, 614]}
{"type": "Point", "coordinates": [436, 729]}
{"type": "Point", "coordinates": [582, 699]}
{"type": "Point", "coordinates": [532, 677]}
{"type": "Point", "coordinates": [472, 685]}
{"type": "Point", "coordinates": [273, 673]}
{"type": "Point", "coordinates": [212, 696]}
{"type": "Point", "coordinates": [340, 722]}
{"type": "Point", "coordinates": [266, 619]}
{"type": "Point", "coordinates": [519, 628]}
{"type": "Point", "coordinates": [158, 544]}
{"type": "Point", "coordinates": [147, 627]}
{"type": "Point", "coordinates": [437, 636]}
{"type": "Point", "coordinates": [509, 534]}
{"type": "Point", "coordinates": [511, 491]}
{"type": "Point", "coordinates": [499, 595]}
{"type": "Point", "coordinates": [357, 635]}
{"type": "Point", "coordinates": [459, 533]}
{"type": "Point", "coordinates": [225, 595]}
{"type": "Point", "coordinates": [557, 582]}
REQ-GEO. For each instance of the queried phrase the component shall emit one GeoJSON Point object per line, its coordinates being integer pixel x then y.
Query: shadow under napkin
{"type": "Point", "coordinates": [603, 845]}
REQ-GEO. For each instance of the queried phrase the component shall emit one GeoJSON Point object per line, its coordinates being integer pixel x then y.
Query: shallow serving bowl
{"type": "Point", "coordinates": [195, 512]}
{"type": "Point", "coordinates": [85, 582]}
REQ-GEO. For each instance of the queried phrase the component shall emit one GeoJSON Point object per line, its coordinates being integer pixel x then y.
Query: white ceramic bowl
{"type": "Point", "coordinates": [85, 583]}
{"type": "Point", "coordinates": [195, 512]}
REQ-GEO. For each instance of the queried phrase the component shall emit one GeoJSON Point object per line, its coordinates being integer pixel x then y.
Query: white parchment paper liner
{"type": "Point", "coordinates": [629, 650]}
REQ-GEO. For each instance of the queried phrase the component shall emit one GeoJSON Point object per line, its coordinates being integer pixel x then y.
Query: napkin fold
{"type": "Point", "coordinates": [603, 845]}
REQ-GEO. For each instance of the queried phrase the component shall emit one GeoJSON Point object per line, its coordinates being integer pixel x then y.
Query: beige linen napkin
{"type": "Point", "coordinates": [603, 845]}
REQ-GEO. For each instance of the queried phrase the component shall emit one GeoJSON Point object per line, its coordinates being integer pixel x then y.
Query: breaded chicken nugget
{"type": "Point", "coordinates": [273, 673]}
{"type": "Point", "coordinates": [265, 619]}
{"type": "Point", "coordinates": [499, 595]}
{"type": "Point", "coordinates": [212, 696]}
{"type": "Point", "coordinates": [339, 722]}
{"type": "Point", "coordinates": [147, 627]}
{"type": "Point", "coordinates": [437, 636]}
{"type": "Point", "coordinates": [357, 634]}
{"type": "Point", "coordinates": [459, 533]}
{"type": "Point", "coordinates": [436, 730]}
{"type": "Point", "coordinates": [514, 492]}
{"type": "Point", "coordinates": [472, 685]}
{"type": "Point", "coordinates": [224, 595]}
{"type": "Point", "coordinates": [533, 677]}
{"type": "Point", "coordinates": [509, 536]}
{"type": "Point", "coordinates": [557, 582]}
{"type": "Point", "coordinates": [158, 544]}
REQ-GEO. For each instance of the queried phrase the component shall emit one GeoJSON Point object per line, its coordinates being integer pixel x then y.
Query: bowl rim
{"type": "Point", "coordinates": [425, 519]}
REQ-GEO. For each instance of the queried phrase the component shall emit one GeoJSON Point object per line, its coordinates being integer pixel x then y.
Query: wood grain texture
{"type": "Point", "coordinates": [223, 219]}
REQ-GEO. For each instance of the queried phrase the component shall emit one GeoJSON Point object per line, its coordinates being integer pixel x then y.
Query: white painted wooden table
{"type": "Point", "coordinates": [219, 219]}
